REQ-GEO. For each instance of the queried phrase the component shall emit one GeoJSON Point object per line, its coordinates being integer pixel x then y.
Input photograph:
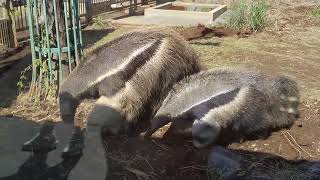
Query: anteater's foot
{"type": "Point", "coordinates": [75, 146]}
{"type": "Point", "coordinates": [44, 142]}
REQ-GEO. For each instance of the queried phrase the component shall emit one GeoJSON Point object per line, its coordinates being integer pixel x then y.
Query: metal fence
{"type": "Point", "coordinates": [19, 13]}
{"type": "Point", "coordinates": [96, 6]}
{"type": "Point", "coordinates": [6, 39]}
{"type": "Point", "coordinates": [55, 39]}
{"type": "Point", "coordinates": [87, 8]}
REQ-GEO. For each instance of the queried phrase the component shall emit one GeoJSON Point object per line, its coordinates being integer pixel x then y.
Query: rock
{"type": "Point", "coordinates": [315, 168]}
{"type": "Point", "coordinates": [223, 164]}
{"type": "Point", "coordinates": [312, 167]}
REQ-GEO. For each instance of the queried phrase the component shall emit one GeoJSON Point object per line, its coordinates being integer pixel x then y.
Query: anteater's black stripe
{"type": "Point", "coordinates": [200, 110]}
{"type": "Point", "coordinates": [119, 79]}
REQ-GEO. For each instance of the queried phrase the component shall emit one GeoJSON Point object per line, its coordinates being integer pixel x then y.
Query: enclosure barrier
{"type": "Point", "coordinates": [55, 39]}
{"type": "Point", "coordinates": [6, 38]}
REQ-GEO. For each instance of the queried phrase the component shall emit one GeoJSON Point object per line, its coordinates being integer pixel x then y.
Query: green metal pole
{"type": "Point", "coordinates": [35, 16]}
{"type": "Point", "coordinates": [47, 41]}
{"type": "Point", "coordinates": [34, 71]}
{"type": "Point", "coordinates": [74, 32]}
{"type": "Point", "coordinates": [67, 33]}
{"type": "Point", "coordinates": [79, 29]}
{"type": "Point", "coordinates": [58, 40]}
{"type": "Point", "coordinates": [35, 8]}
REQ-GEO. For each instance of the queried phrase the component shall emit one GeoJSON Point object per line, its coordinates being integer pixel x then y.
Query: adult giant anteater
{"type": "Point", "coordinates": [219, 106]}
{"type": "Point", "coordinates": [130, 76]}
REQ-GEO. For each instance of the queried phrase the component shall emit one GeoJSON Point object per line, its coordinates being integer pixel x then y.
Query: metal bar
{"type": "Point", "coordinates": [58, 40]}
{"type": "Point", "coordinates": [7, 35]}
{"type": "Point", "coordinates": [47, 41]}
{"type": "Point", "coordinates": [53, 50]}
{"type": "Point", "coordinates": [35, 16]}
{"type": "Point", "coordinates": [79, 31]}
{"type": "Point", "coordinates": [2, 32]}
{"type": "Point", "coordinates": [34, 71]}
{"type": "Point", "coordinates": [74, 31]}
{"type": "Point", "coordinates": [25, 16]}
{"type": "Point", "coordinates": [21, 18]}
{"type": "Point", "coordinates": [67, 33]}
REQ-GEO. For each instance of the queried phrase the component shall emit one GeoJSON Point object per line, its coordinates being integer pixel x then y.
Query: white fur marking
{"type": "Point", "coordinates": [223, 112]}
{"type": "Point", "coordinates": [205, 100]}
{"type": "Point", "coordinates": [121, 66]}
{"type": "Point", "coordinates": [291, 111]}
{"type": "Point", "coordinates": [293, 99]}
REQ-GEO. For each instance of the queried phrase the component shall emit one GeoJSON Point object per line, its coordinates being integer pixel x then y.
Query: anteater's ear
{"type": "Point", "coordinates": [157, 123]}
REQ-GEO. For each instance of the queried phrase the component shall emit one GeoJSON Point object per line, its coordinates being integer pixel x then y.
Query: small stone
{"type": "Point", "coordinates": [312, 167]}
{"type": "Point", "coordinates": [315, 168]}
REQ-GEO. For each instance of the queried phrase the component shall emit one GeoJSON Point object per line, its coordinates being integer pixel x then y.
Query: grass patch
{"type": "Point", "coordinates": [249, 14]}
{"type": "Point", "coordinates": [316, 12]}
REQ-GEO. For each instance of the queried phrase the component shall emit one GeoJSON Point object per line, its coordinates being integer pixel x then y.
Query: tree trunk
{"type": "Point", "coordinates": [9, 13]}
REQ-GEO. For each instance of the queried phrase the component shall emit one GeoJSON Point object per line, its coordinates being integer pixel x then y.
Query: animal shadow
{"type": "Point", "coordinates": [36, 168]}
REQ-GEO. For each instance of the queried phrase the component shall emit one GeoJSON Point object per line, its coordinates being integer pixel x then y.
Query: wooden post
{"type": "Point", "coordinates": [135, 5]}
{"type": "Point", "coordinates": [144, 2]}
{"type": "Point", "coordinates": [88, 7]}
{"type": "Point", "coordinates": [131, 8]}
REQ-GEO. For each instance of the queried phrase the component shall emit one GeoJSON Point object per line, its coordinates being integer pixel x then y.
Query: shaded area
{"type": "Point", "coordinates": [133, 158]}
{"type": "Point", "coordinates": [17, 60]}
{"type": "Point", "coordinates": [19, 165]}
{"type": "Point", "coordinates": [9, 79]}
{"type": "Point", "coordinates": [35, 168]}
{"type": "Point", "coordinates": [244, 165]}
{"type": "Point", "coordinates": [91, 36]}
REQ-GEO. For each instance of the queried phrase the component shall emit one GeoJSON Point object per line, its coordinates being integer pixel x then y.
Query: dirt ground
{"type": "Point", "coordinates": [290, 45]}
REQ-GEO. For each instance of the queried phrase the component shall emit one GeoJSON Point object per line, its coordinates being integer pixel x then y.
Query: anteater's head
{"type": "Point", "coordinates": [289, 95]}
{"type": "Point", "coordinates": [204, 134]}
{"type": "Point", "coordinates": [107, 115]}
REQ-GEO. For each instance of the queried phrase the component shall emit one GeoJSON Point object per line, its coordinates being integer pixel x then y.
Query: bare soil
{"type": "Point", "coordinates": [291, 46]}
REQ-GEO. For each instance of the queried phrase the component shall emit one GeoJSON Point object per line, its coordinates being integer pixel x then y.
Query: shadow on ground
{"type": "Point", "coordinates": [19, 165]}
{"type": "Point", "coordinates": [11, 76]}
{"type": "Point", "coordinates": [91, 36]}
{"type": "Point", "coordinates": [135, 158]}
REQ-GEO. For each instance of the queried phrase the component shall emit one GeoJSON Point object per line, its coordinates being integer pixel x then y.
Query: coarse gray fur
{"type": "Point", "coordinates": [130, 75]}
{"type": "Point", "coordinates": [147, 62]}
{"type": "Point", "coordinates": [226, 104]}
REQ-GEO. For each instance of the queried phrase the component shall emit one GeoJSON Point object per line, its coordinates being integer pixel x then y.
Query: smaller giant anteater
{"type": "Point", "coordinates": [224, 105]}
